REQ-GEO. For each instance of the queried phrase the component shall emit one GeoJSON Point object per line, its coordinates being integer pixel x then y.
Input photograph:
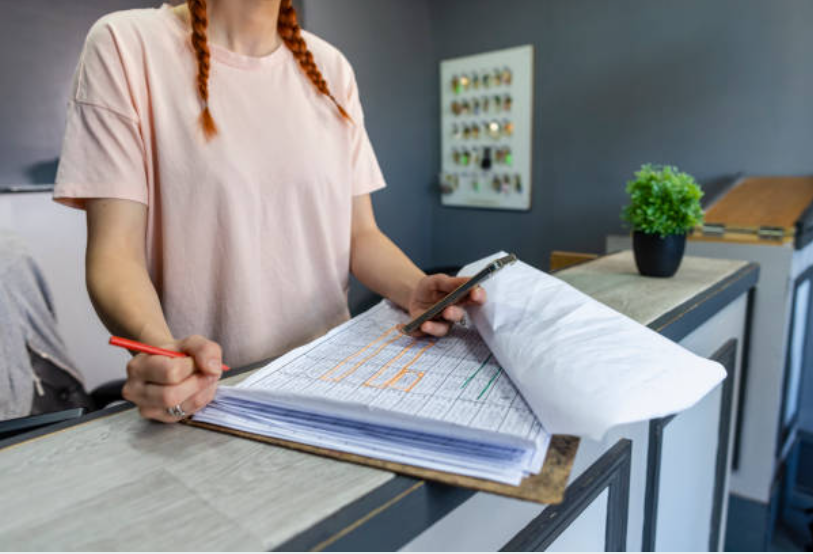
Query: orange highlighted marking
{"type": "Point", "coordinates": [370, 382]}
{"type": "Point", "coordinates": [418, 374]}
{"type": "Point", "coordinates": [404, 370]}
{"type": "Point", "coordinates": [327, 375]}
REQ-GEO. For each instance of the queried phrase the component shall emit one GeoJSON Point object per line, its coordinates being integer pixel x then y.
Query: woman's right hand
{"type": "Point", "coordinates": [157, 383]}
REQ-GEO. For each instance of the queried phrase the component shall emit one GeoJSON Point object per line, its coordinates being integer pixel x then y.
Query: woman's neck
{"type": "Point", "coordinates": [247, 27]}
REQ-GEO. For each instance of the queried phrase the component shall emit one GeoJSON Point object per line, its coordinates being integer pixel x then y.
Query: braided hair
{"type": "Point", "coordinates": [291, 34]}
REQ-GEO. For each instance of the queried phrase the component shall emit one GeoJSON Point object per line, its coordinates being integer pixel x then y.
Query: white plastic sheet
{"type": "Point", "coordinates": [581, 366]}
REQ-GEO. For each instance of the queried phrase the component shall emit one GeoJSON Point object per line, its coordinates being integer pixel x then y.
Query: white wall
{"type": "Point", "coordinates": [56, 237]}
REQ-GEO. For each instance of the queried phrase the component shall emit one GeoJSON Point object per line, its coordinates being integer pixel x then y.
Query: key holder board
{"type": "Point", "coordinates": [486, 118]}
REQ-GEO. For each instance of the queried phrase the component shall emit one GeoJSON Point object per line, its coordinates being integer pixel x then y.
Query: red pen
{"type": "Point", "coordinates": [147, 349]}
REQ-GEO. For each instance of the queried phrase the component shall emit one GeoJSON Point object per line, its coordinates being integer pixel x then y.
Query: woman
{"type": "Point", "coordinates": [220, 154]}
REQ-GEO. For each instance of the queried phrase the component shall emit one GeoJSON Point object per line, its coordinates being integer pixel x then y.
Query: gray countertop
{"type": "Point", "coordinates": [118, 482]}
{"type": "Point", "coordinates": [615, 281]}
{"type": "Point", "coordinates": [125, 483]}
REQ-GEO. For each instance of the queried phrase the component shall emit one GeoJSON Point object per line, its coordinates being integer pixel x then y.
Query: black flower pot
{"type": "Point", "coordinates": [656, 256]}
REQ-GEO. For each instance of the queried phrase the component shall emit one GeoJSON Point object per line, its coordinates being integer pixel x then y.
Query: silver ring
{"type": "Point", "coordinates": [176, 411]}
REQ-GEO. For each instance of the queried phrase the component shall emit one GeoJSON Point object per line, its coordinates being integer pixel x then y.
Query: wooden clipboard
{"type": "Point", "coordinates": [546, 487]}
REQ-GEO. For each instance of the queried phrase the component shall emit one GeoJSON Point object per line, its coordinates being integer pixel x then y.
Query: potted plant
{"type": "Point", "coordinates": [664, 206]}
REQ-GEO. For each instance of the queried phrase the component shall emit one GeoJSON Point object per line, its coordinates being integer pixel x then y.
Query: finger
{"type": "Point", "coordinates": [157, 414]}
{"type": "Point", "coordinates": [417, 333]}
{"type": "Point", "coordinates": [141, 393]}
{"type": "Point", "coordinates": [199, 400]}
{"type": "Point", "coordinates": [477, 296]}
{"type": "Point", "coordinates": [435, 328]}
{"type": "Point", "coordinates": [207, 354]}
{"type": "Point", "coordinates": [190, 405]}
{"type": "Point", "coordinates": [166, 396]}
{"type": "Point", "coordinates": [430, 286]}
{"type": "Point", "coordinates": [454, 314]}
{"type": "Point", "coordinates": [133, 391]}
{"type": "Point", "coordinates": [446, 284]}
{"type": "Point", "coordinates": [159, 369]}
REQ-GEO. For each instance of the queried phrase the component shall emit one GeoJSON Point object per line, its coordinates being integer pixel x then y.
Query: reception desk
{"type": "Point", "coordinates": [773, 456]}
{"type": "Point", "coordinates": [113, 481]}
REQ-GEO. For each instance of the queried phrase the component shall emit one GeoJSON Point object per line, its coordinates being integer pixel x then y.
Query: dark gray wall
{"type": "Point", "coordinates": [389, 45]}
{"type": "Point", "coordinates": [714, 86]}
{"type": "Point", "coordinates": [388, 42]}
{"type": "Point", "coordinates": [40, 41]}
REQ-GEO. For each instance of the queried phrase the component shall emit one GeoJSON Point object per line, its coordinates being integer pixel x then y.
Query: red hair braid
{"type": "Point", "coordinates": [291, 34]}
{"type": "Point", "coordinates": [200, 20]}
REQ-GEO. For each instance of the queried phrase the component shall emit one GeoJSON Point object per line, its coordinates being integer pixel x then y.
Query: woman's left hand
{"type": "Point", "coordinates": [432, 289]}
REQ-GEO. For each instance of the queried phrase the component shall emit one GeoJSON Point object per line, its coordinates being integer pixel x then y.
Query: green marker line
{"type": "Point", "coordinates": [470, 377]}
{"type": "Point", "coordinates": [489, 383]}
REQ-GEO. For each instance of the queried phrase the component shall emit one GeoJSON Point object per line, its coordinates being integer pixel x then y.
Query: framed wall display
{"type": "Point", "coordinates": [486, 119]}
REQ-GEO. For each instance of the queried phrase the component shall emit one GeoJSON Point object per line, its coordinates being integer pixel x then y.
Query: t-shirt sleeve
{"type": "Point", "coordinates": [103, 152]}
{"type": "Point", "coordinates": [365, 171]}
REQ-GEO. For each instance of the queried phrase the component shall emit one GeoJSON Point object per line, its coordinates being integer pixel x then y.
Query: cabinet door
{"type": "Point", "coordinates": [796, 359]}
{"type": "Point", "coordinates": [593, 515]}
{"type": "Point", "coordinates": [687, 470]}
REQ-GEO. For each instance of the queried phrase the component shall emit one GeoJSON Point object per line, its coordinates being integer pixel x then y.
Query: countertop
{"type": "Point", "coordinates": [114, 481]}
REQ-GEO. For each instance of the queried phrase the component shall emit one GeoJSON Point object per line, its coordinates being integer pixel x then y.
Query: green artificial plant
{"type": "Point", "coordinates": [663, 201]}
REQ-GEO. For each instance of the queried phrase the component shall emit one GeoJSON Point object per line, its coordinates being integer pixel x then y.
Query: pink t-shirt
{"type": "Point", "coordinates": [248, 237]}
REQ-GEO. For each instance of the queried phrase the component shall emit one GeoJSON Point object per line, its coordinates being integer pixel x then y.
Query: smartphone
{"type": "Point", "coordinates": [458, 293]}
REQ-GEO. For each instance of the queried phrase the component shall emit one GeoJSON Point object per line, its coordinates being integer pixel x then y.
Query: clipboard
{"type": "Point", "coordinates": [546, 487]}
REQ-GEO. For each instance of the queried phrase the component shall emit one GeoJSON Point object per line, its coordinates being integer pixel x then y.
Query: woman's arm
{"type": "Point", "coordinates": [376, 261]}
{"type": "Point", "coordinates": [116, 271]}
{"type": "Point", "coordinates": [127, 303]}
{"type": "Point", "coordinates": [382, 267]}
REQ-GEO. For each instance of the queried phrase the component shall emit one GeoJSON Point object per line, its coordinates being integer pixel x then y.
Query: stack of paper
{"type": "Point", "coordinates": [448, 404]}
{"type": "Point", "coordinates": [367, 389]}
